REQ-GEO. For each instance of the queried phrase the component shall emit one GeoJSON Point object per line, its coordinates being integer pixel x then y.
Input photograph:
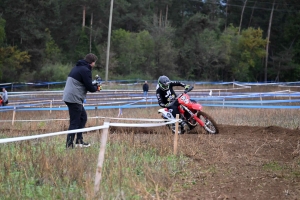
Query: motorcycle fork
{"type": "Point", "coordinates": [193, 115]}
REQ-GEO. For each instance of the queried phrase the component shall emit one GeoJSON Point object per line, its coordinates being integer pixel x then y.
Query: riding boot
{"type": "Point", "coordinates": [185, 127]}
{"type": "Point", "coordinates": [70, 139]}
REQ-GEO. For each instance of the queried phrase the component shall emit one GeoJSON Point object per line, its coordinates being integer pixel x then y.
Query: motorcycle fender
{"type": "Point", "coordinates": [165, 113]}
{"type": "Point", "coordinates": [196, 106]}
{"type": "Point", "coordinates": [162, 110]}
{"type": "Point", "coordinates": [199, 121]}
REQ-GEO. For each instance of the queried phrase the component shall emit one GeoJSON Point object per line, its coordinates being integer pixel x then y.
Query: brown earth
{"type": "Point", "coordinates": [241, 162]}
{"type": "Point", "coordinates": [244, 162]}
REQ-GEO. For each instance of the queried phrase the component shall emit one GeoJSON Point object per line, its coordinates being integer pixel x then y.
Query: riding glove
{"type": "Point", "coordinates": [187, 87]}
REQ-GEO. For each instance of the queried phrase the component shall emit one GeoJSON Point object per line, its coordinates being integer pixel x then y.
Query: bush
{"type": "Point", "coordinates": [54, 72]}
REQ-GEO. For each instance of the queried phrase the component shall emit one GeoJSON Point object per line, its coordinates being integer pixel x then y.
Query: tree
{"type": "Point", "coordinates": [52, 51]}
{"type": "Point", "coordinates": [132, 53]}
{"type": "Point", "coordinates": [249, 52]}
{"type": "Point", "coordinates": [11, 58]}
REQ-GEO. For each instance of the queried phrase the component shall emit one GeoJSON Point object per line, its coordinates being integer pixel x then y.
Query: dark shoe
{"type": "Point", "coordinates": [69, 145]}
{"type": "Point", "coordinates": [69, 142]}
{"type": "Point", "coordinates": [173, 126]}
{"type": "Point", "coordinates": [80, 143]}
{"type": "Point", "coordinates": [185, 127]}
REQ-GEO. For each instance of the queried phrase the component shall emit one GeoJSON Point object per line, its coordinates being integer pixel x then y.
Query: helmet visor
{"type": "Point", "coordinates": [165, 85]}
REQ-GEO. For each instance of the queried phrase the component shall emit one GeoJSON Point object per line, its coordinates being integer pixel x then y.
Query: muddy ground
{"type": "Point", "coordinates": [241, 162]}
{"type": "Point", "coordinates": [244, 162]}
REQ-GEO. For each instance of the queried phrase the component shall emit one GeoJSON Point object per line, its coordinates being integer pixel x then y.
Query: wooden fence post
{"type": "Point", "coordinates": [14, 115]}
{"type": "Point", "coordinates": [101, 157]}
{"type": "Point", "coordinates": [51, 106]}
{"type": "Point", "coordinates": [96, 115]}
{"type": "Point", "coordinates": [176, 135]}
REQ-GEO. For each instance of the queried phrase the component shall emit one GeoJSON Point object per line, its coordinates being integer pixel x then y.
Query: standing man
{"type": "Point", "coordinates": [145, 88]}
{"type": "Point", "coordinates": [78, 83]}
{"type": "Point", "coordinates": [4, 97]}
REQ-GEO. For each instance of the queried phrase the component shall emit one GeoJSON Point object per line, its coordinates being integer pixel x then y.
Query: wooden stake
{"type": "Point", "coordinates": [176, 135]}
{"type": "Point", "coordinates": [96, 115]}
{"type": "Point", "coordinates": [14, 115]}
{"type": "Point", "coordinates": [101, 157]}
{"type": "Point", "coordinates": [51, 106]}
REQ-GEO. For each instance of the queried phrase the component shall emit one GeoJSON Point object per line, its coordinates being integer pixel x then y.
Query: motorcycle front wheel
{"type": "Point", "coordinates": [210, 125]}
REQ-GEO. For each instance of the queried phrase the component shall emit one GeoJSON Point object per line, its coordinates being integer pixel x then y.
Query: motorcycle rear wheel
{"type": "Point", "coordinates": [211, 126]}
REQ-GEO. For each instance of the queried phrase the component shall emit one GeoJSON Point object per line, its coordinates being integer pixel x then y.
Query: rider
{"type": "Point", "coordinates": [97, 80]}
{"type": "Point", "coordinates": [165, 95]}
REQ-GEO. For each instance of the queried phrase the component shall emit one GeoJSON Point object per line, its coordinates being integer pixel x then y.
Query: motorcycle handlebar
{"type": "Point", "coordinates": [185, 91]}
{"type": "Point", "coordinates": [189, 89]}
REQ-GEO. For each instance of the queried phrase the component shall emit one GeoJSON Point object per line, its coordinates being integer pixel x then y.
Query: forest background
{"type": "Point", "coordinates": [209, 40]}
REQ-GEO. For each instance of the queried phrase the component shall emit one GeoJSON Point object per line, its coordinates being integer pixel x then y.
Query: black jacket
{"type": "Point", "coordinates": [145, 87]}
{"type": "Point", "coordinates": [165, 97]}
{"type": "Point", "coordinates": [79, 82]}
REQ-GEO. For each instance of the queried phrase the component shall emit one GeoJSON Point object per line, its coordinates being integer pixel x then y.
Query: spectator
{"type": "Point", "coordinates": [4, 97]}
{"type": "Point", "coordinates": [79, 82]}
{"type": "Point", "coordinates": [145, 88]}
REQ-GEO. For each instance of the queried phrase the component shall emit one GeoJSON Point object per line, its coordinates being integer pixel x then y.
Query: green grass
{"type": "Point", "coordinates": [44, 170]}
{"type": "Point", "coordinates": [272, 166]}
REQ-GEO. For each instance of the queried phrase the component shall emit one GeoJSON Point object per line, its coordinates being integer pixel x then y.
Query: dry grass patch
{"type": "Point", "coordinates": [255, 156]}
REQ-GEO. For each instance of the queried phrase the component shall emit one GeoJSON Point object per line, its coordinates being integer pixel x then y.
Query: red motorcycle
{"type": "Point", "coordinates": [191, 113]}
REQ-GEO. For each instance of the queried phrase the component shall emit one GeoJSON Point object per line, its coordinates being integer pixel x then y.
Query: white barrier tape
{"type": "Point", "coordinates": [34, 120]}
{"type": "Point", "coordinates": [130, 119]}
{"type": "Point", "coordinates": [45, 120]}
{"type": "Point", "coordinates": [6, 140]}
{"type": "Point", "coordinates": [142, 125]}
{"type": "Point", "coordinates": [241, 85]}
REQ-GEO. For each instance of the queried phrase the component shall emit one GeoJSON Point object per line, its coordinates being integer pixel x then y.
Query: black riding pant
{"type": "Point", "coordinates": [174, 109]}
{"type": "Point", "coordinates": [78, 119]}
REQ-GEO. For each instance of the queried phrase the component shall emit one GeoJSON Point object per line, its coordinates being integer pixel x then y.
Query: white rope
{"type": "Point", "coordinates": [97, 117]}
{"type": "Point", "coordinates": [6, 140]}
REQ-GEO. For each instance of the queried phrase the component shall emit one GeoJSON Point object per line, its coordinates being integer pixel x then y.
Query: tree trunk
{"type": "Point", "coordinates": [91, 30]}
{"type": "Point", "coordinates": [226, 14]}
{"type": "Point", "coordinates": [167, 8]}
{"type": "Point", "coordinates": [252, 14]}
{"type": "Point", "coordinates": [83, 17]}
{"type": "Point", "coordinates": [242, 15]}
{"type": "Point", "coordinates": [160, 16]}
{"type": "Point", "coordinates": [268, 40]}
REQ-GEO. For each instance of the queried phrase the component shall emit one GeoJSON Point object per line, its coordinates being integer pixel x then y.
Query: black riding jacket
{"type": "Point", "coordinates": [166, 96]}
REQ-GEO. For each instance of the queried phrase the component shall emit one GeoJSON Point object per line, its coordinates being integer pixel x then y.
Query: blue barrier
{"type": "Point", "coordinates": [129, 97]}
{"type": "Point", "coordinates": [139, 81]}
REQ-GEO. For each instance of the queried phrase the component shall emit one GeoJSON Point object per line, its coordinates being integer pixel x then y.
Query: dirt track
{"type": "Point", "coordinates": [242, 162]}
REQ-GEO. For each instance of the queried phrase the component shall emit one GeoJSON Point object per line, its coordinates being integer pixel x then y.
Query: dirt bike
{"type": "Point", "coordinates": [191, 113]}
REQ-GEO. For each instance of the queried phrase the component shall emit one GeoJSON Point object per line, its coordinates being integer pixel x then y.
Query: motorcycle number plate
{"type": "Point", "coordinates": [184, 99]}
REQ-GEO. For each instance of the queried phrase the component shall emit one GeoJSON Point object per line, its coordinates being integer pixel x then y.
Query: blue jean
{"type": "Point", "coordinates": [145, 93]}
